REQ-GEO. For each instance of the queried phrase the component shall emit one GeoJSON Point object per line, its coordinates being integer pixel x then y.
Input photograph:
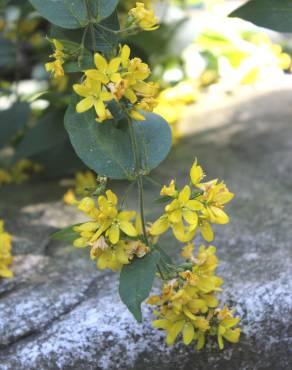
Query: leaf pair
{"type": "Point", "coordinates": [106, 148]}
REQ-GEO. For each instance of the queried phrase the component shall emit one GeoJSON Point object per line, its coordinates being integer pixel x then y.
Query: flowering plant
{"type": "Point", "coordinates": [113, 130]}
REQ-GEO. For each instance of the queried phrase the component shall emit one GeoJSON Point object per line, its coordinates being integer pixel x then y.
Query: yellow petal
{"type": "Point", "coordinates": [126, 215]}
{"type": "Point", "coordinates": [81, 90]}
{"type": "Point", "coordinates": [174, 331]}
{"type": "Point", "coordinates": [194, 205]}
{"type": "Point", "coordinates": [219, 216]}
{"type": "Point", "coordinates": [182, 234]}
{"type": "Point", "coordinates": [5, 272]}
{"type": "Point", "coordinates": [201, 341]}
{"type": "Point", "coordinates": [114, 65]}
{"type": "Point", "coordinates": [106, 96]}
{"type": "Point", "coordinates": [207, 232]}
{"type": "Point", "coordinates": [223, 197]}
{"type": "Point", "coordinates": [184, 195]}
{"type": "Point", "coordinates": [100, 62]}
{"type": "Point", "coordinates": [125, 54]}
{"type": "Point", "coordinates": [232, 335]}
{"type": "Point", "coordinates": [136, 115]}
{"type": "Point", "coordinates": [188, 333]}
{"type": "Point", "coordinates": [97, 75]}
{"type": "Point", "coordinates": [161, 324]}
{"type": "Point", "coordinates": [196, 173]}
{"type": "Point", "coordinates": [230, 322]}
{"type": "Point", "coordinates": [175, 216]}
{"type": "Point", "coordinates": [191, 217]}
{"type": "Point", "coordinates": [100, 108]}
{"type": "Point", "coordinates": [121, 255]}
{"type": "Point", "coordinates": [159, 226]}
{"type": "Point", "coordinates": [86, 204]}
{"type": "Point", "coordinates": [130, 95]}
{"type": "Point", "coordinates": [84, 105]}
{"type": "Point", "coordinates": [80, 243]}
{"type": "Point", "coordinates": [220, 341]}
{"type": "Point", "coordinates": [111, 196]}
{"type": "Point", "coordinates": [128, 228]}
{"type": "Point", "coordinates": [114, 234]}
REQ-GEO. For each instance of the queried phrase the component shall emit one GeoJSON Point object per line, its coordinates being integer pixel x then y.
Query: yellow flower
{"type": "Point", "coordinates": [146, 104]}
{"type": "Point", "coordinates": [5, 177]}
{"type": "Point", "coordinates": [85, 181]}
{"type": "Point", "coordinates": [105, 71]}
{"type": "Point", "coordinates": [5, 252]}
{"type": "Point", "coordinates": [181, 208]}
{"type": "Point", "coordinates": [215, 197]}
{"type": "Point", "coordinates": [56, 67]}
{"type": "Point", "coordinates": [69, 197]}
{"type": "Point", "coordinates": [108, 221]}
{"type": "Point", "coordinates": [196, 174]}
{"type": "Point", "coordinates": [226, 331]}
{"type": "Point", "coordinates": [187, 251]}
{"type": "Point", "coordinates": [94, 96]}
{"type": "Point", "coordinates": [23, 169]}
{"type": "Point", "coordinates": [145, 18]}
{"type": "Point", "coordinates": [186, 304]}
{"type": "Point", "coordinates": [169, 191]}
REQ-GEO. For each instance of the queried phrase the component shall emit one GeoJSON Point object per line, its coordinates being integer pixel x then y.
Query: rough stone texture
{"type": "Point", "coordinates": [60, 313]}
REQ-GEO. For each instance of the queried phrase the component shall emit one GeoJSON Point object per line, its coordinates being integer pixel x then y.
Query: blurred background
{"type": "Point", "coordinates": [197, 55]}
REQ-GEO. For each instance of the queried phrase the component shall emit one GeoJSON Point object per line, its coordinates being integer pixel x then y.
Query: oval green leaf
{"type": "Point", "coordinates": [73, 14]}
{"type": "Point", "coordinates": [273, 14]}
{"type": "Point", "coordinates": [107, 149]}
{"type": "Point", "coordinates": [136, 281]}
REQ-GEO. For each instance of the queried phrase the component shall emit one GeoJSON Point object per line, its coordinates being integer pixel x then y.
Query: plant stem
{"type": "Point", "coordinates": [91, 25]}
{"type": "Point", "coordinates": [160, 272]}
{"type": "Point", "coordinates": [129, 30]}
{"type": "Point", "coordinates": [138, 168]}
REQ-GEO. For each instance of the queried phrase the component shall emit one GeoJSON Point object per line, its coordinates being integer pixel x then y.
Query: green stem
{"type": "Point", "coordinates": [160, 272]}
{"type": "Point", "coordinates": [91, 25]}
{"type": "Point", "coordinates": [127, 193]}
{"type": "Point", "coordinates": [129, 30]}
{"type": "Point", "coordinates": [139, 178]}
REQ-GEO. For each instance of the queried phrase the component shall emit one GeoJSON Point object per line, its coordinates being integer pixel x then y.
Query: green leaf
{"type": "Point", "coordinates": [106, 8]}
{"type": "Point", "coordinates": [64, 13]}
{"type": "Point", "coordinates": [164, 256]}
{"type": "Point", "coordinates": [273, 14]}
{"type": "Point", "coordinates": [106, 147]}
{"type": "Point", "coordinates": [72, 14]}
{"type": "Point", "coordinates": [68, 234]}
{"type": "Point", "coordinates": [48, 132]}
{"type": "Point", "coordinates": [136, 282]}
{"type": "Point", "coordinates": [11, 120]}
{"type": "Point", "coordinates": [105, 41]}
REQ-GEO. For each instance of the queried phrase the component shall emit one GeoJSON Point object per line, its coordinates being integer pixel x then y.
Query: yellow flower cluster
{"type": "Point", "coordinates": [112, 237]}
{"type": "Point", "coordinates": [143, 17]}
{"type": "Point", "coordinates": [121, 79]}
{"type": "Point", "coordinates": [85, 183]}
{"type": "Point", "coordinates": [172, 102]}
{"type": "Point", "coordinates": [19, 173]}
{"type": "Point", "coordinates": [188, 303]}
{"type": "Point", "coordinates": [196, 206]}
{"type": "Point", "coordinates": [56, 67]}
{"type": "Point", "coordinates": [5, 252]}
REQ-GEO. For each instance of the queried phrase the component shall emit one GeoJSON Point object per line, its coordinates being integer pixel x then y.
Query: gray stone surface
{"type": "Point", "coordinates": [60, 313]}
